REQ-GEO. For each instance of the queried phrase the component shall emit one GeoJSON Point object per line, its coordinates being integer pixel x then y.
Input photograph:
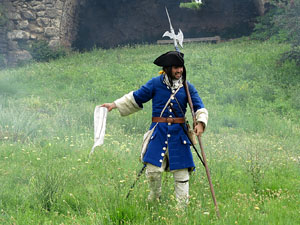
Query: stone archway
{"type": "Point", "coordinates": [83, 24]}
{"type": "Point", "coordinates": [117, 22]}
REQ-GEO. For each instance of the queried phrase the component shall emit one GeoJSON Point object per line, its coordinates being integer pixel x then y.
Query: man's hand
{"type": "Point", "coordinates": [109, 106]}
{"type": "Point", "coordinates": [199, 129]}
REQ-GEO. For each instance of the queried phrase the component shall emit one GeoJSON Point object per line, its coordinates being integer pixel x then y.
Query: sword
{"type": "Point", "coordinates": [176, 37]}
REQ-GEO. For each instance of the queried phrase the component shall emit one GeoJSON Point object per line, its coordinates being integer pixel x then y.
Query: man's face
{"type": "Point", "coordinates": [177, 72]}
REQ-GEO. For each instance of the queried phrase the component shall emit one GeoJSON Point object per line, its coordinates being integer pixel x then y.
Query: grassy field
{"type": "Point", "coordinates": [251, 142]}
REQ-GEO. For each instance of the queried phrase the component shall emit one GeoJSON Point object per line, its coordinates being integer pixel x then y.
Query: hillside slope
{"type": "Point", "coordinates": [252, 139]}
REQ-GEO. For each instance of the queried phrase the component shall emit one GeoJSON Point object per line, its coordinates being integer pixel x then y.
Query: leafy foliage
{"type": "Point", "coordinates": [41, 52]}
{"type": "Point", "coordinates": [288, 22]}
{"type": "Point", "coordinates": [265, 28]}
{"type": "Point", "coordinates": [291, 55]}
{"type": "Point", "coordinates": [191, 5]}
{"type": "Point", "coordinates": [281, 23]}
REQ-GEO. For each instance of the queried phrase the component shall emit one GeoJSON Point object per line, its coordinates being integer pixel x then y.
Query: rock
{"type": "Point", "coordinates": [55, 23]}
{"type": "Point", "coordinates": [52, 13]}
{"type": "Point", "coordinates": [41, 13]}
{"type": "Point", "coordinates": [43, 21]}
{"type": "Point", "coordinates": [33, 36]}
{"type": "Point", "coordinates": [54, 43]}
{"type": "Point", "coordinates": [18, 35]}
{"type": "Point", "coordinates": [14, 16]}
{"type": "Point", "coordinates": [48, 1]}
{"type": "Point", "coordinates": [13, 45]}
{"type": "Point", "coordinates": [50, 31]}
{"type": "Point", "coordinates": [35, 3]}
{"type": "Point", "coordinates": [39, 7]}
{"type": "Point", "coordinates": [59, 4]}
{"type": "Point", "coordinates": [29, 15]}
{"type": "Point", "coordinates": [36, 29]}
{"type": "Point", "coordinates": [15, 57]}
{"type": "Point", "coordinates": [10, 25]}
{"type": "Point", "coordinates": [22, 24]}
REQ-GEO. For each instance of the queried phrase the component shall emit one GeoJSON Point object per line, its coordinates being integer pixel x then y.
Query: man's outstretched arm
{"type": "Point", "coordinates": [109, 106]}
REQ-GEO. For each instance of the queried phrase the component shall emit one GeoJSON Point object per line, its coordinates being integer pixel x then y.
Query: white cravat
{"type": "Point", "coordinates": [176, 83]}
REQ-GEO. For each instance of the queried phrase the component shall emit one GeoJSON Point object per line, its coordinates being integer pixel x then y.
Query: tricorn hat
{"type": "Point", "coordinates": [172, 58]}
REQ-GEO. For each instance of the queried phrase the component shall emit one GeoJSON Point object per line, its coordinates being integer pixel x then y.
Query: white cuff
{"type": "Point", "coordinates": [202, 116]}
{"type": "Point", "coordinates": [127, 104]}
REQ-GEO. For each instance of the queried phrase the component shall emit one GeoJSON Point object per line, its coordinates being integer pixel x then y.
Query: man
{"type": "Point", "coordinates": [169, 146]}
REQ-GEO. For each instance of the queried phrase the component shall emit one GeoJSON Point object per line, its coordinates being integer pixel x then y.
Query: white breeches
{"type": "Point", "coordinates": [181, 180]}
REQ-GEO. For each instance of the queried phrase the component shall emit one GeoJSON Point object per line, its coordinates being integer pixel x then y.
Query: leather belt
{"type": "Point", "coordinates": [167, 120]}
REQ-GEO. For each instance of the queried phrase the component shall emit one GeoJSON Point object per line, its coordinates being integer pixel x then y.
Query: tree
{"type": "Point", "coordinates": [281, 23]}
{"type": "Point", "coordinates": [194, 4]}
{"type": "Point", "coordinates": [289, 22]}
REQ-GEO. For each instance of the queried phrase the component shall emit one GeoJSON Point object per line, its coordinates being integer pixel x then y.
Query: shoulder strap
{"type": "Point", "coordinates": [186, 86]}
{"type": "Point", "coordinates": [172, 95]}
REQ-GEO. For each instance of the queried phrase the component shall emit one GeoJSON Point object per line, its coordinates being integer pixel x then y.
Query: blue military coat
{"type": "Point", "coordinates": [166, 135]}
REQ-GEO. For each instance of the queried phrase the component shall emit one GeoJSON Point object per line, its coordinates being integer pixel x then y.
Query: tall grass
{"type": "Point", "coordinates": [252, 140]}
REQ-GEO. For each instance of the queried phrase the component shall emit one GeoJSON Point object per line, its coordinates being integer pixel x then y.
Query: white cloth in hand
{"type": "Point", "coordinates": [100, 115]}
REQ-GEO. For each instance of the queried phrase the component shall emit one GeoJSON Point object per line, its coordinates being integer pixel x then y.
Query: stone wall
{"type": "Point", "coordinates": [3, 40]}
{"type": "Point", "coordinates": [113, 23]}
{"type": "Point", "coordinates": [3, 46]}
{"type": "Point", "coordinates": [57, 22]}
{"type": "Point", "coordinates": [31, 20]}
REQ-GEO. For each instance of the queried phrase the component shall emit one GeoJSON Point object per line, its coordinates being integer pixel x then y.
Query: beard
{"type": "Point", "coordinates": [176, 76]}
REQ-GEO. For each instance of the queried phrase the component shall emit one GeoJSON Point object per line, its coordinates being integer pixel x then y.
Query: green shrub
{"type": "Point", "coordinates": [281, 23]}
{"type": "Point", "coordinates": [41, 52]}
{"type": "Point", "coordinates": [190, 5]}
{"type": "Point", "coordinates": [265, 27]}
{"type": "Point", "coordinates": [289, 23]}
{"type": "Point", "coordinates": [292, 55]}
